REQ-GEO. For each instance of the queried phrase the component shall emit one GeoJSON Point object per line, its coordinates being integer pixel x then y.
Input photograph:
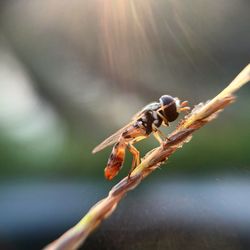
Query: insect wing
{"type": "Point", "coordinates": [111, 139]}
{"type": "Point", "coordinates": [114, 137]}
{"type": "Point", "coordinates": [150, 106]}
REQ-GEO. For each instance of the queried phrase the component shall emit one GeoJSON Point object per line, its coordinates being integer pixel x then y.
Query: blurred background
{"type": "Point", "coordinates": [73, 72]}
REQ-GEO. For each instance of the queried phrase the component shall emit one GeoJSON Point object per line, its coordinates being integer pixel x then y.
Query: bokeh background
{"type": "Point", "coordinates": [73, 72]}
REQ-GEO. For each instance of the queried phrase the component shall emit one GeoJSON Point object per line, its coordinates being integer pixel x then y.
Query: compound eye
{"type": "Point", "coordinates": [168, 104]}
{"type": "Point", "coordinates": [166, 100]}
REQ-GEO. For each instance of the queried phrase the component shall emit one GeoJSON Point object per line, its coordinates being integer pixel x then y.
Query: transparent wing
{"type": "Point", "coordinates": [114, 137]}
{"type": "Point", "coordinates": [111, 139]}
{"type": "Point", "coordinates": [150, 106]}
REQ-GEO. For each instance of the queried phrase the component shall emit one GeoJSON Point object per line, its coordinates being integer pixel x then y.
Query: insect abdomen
{"type": "Point", "coordinates": [115, 160]}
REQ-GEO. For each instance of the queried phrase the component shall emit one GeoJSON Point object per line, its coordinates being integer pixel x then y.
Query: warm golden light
{"type": "Point", "coordinates": [125, 36]}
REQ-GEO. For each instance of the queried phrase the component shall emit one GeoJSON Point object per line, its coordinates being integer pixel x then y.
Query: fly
{"type": "Point", "coordinates": [145, 122]}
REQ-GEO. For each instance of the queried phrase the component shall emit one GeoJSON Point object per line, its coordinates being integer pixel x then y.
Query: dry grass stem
{"type": "Point", "coordinates": [199, 116]}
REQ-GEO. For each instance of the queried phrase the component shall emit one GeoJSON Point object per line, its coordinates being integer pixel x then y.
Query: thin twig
{"type": "Point", "coordinates": [200, 115]}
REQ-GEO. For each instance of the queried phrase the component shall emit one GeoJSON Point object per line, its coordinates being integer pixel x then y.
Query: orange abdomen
{"type": "Point", "coordinates": [115, 160]}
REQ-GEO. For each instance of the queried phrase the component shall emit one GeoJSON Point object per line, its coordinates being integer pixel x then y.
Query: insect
{"type": "Point", "coordinates": [145, 122]}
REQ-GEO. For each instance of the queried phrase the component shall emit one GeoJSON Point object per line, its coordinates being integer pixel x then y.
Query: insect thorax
{"type": "Point", "coordinates": [150, 119]}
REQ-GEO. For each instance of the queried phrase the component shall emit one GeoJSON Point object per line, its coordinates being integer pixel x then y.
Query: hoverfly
{"type": "Point", "coordinates": [145, 122]}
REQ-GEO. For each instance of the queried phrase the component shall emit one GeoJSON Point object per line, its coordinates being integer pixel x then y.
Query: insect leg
{"type": "Point", "coordinates": [184, 107]}
{"type": "Point", "coordinates": [116, 159]}
{"type": "Point", "coordinates": [158, 134]}
{"type": "Point", "coordinates": [136, 157]}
